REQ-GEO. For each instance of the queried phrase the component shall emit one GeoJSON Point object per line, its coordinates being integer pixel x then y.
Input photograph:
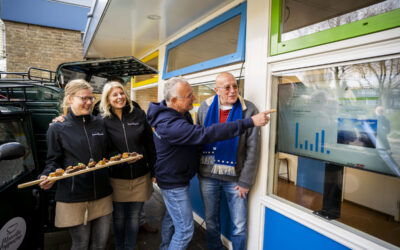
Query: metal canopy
{"type": "Point", "coordinates": [105, 68]}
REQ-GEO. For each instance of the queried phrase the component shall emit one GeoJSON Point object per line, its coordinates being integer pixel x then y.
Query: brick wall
{"type": "Point", "coordinates": [39, 46]}
{"type": "Point", "coordinates": [145, 96]}
{"type": "Point", "coordinates": [2, 47]}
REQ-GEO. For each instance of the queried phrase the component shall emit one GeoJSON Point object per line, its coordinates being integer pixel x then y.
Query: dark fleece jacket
{"type": "Point", "coordinates": [75, 141]}
{"type": "Point", "coordinates": [177, 139]}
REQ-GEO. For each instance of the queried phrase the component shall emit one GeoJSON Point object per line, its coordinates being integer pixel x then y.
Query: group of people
{"type": "Point", "coordinates": [222, 148]}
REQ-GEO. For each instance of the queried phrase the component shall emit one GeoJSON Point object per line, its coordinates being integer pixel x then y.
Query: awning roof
{"type": "Point", "coordinates": [125, 28]}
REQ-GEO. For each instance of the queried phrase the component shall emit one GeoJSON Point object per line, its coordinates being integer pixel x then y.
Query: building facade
{"type": "Point", "coordinates": [42, 33]}
{"type": "Point", "coordinates": [329, 166]}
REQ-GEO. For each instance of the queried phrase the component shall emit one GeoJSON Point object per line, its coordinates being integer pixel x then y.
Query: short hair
{"type": "Point", "coordinates": [115, 78]}
{"type": "Point", "coordinates": [105, 106]}
{"type": "Point", "coordinates": [70, 90]}
{"type": "Point", "coordinates": [170, 87]}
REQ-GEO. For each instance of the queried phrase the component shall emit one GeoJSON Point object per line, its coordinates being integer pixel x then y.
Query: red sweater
{"type": "Point", "coordinates": [223, 115]}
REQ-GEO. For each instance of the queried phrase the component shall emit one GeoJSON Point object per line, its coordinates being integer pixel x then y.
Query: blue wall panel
{"type": "Point", "coordinates": [283, 233]}
{"type": "Point", "coordinates": [310, 174]}
{"type": "Point", "coordinates": [198, 207]}
{"type": "Point", "coordinates": [45, 13]}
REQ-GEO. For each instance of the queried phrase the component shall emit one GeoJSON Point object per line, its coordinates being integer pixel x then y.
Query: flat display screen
{"type": "Point", "coordinates": [348, 115]}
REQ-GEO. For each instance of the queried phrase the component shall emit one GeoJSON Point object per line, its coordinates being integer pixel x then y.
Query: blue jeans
{"type": "Point", "coordinates": [126, 224]}
{"type": "Point", "coordinates": [211, 190]}
{"type": "Point", "coordinates": [177, 226]}
{"type": "Point", "coordinates": [96, 231]}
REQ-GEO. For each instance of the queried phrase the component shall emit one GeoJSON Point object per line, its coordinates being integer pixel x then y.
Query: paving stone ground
{"type": "Point", "coordinates": [154, 209]}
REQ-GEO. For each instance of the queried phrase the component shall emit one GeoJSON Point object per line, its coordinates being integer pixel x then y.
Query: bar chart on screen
{"type": "Point", "coordinates": [316, 144]}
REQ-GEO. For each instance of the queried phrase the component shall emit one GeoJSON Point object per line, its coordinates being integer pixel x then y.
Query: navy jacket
{"type": "Point", "coordinates": [177, 139]}
{"type": "Point", "coordinates": [131, 134]}
{"type": "Point", "coordinates": [75, 141]}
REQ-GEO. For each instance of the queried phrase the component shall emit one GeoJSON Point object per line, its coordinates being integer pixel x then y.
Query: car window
{"type": "Point", "coordinates": [12, 131]}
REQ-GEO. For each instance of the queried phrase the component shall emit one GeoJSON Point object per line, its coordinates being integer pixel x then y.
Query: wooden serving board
{"type": "Point", "coordinates": [86, 170]}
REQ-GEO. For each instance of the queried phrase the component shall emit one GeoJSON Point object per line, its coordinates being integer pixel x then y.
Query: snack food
{"type": "Point", "coordinates": [91, 163]}
{"type": "Point", "coordinates": [81, 168]}
{"type": "Point", "coordinates": [125, 155]}
{"type": "Point", "coordinates": [59, 171]}
{"type": "Point", "coordinates": [68, 169]}
{"type": "Point", "coordinates": [116, 158]}
{"type": "Point", "coordinates": [72, 169]}
{"type": "Point", "coordinates": [102, 162]}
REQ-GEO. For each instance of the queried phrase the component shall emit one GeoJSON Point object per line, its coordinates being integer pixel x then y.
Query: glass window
{"type": "Point", "coordinates": [218, 42]}
{"type": "Point", "coordinates": [302, 24]}
{"type": "Point", "coordinates": [307, 17]}
{"type": "Point", "coordinates": [12, 131]}
{"type": "Point", "coordinates": [338, 144]}
{"type": "Point", "coordinates": [204, 91]}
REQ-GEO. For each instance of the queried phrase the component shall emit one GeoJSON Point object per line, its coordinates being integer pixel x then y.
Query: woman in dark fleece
{"type": "Point", "coordinates": [84, 202]}
{"type": "Point", "coordinates": [128, 131]}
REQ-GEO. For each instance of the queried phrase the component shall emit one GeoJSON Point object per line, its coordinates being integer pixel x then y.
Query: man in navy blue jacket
{"type": "Point", "coordinates": [177, 140]}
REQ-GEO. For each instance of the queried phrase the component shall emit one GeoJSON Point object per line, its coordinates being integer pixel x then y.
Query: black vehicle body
{"type": "Point", "coordinates": [28, 103]}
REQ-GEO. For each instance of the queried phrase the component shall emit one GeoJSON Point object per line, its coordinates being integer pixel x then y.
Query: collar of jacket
{"type": "Point", "coordinates": [210, 100]}
{"type": "Point", "coordinates": [74, 117]}
{"type": "Point", "coordinates": [164, 103]}
{"type": "Point", "coordinates": [125, 110]}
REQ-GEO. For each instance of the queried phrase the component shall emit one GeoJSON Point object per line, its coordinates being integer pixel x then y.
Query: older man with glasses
{"type": "Point", "coordinates": [228, 166]}
{"type": "Point", "coordinates": [177, 142]}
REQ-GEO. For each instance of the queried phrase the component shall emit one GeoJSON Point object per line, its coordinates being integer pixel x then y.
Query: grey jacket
{"type": "Point", "coordinates": [248, 148]}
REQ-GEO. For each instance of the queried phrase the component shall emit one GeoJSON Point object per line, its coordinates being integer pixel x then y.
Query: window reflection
{"type": "Point", "coordinates": [12, 131]}
{"type": "Point", "coordinates": [339, 127]}
{"type": "Point", "coordinates": [219, 41]}
{"type": "Point", "coordinates": [304, 17]}
{"type": "Point", "coordinates": [204, 91]}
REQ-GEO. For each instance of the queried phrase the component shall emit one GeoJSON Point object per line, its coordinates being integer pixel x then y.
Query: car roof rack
{"type": "Point", "coordinates": [20, 81]}
{"type": "Point", "coordinates": [33, 75]}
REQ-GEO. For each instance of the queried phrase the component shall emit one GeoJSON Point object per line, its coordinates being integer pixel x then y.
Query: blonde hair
{"type": "Point", "coordinates": [71, 89]}
{"type": "Point", "coordinates": [105, 106]}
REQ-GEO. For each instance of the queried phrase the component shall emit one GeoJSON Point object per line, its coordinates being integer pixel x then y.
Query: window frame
{"type": "Point", "coordinates": [237, 56]}
{"type": "Point", "coordinates": [345, 234]}
{"type": "Point", "coordinates": [152, 80]}
{"type": "Point", "coordinates": [361, 27]}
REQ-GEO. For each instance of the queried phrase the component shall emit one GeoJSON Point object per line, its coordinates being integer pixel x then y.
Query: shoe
{"type": "Point", "coordinates": [147, 228]}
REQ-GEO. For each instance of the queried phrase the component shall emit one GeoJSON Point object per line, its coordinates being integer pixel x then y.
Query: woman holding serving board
{"type": "Point", "coordinates": [128, 131]}
{"type": "Point", "coordinates": [84, 202]}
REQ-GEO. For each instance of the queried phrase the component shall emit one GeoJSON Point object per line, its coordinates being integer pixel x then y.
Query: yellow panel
{"type": "Point", "coordinates": [143, 83]}
{"type": "Point", "coordinates": [149, 57]}
{"type": "Point", "coordinates": [149, 81]}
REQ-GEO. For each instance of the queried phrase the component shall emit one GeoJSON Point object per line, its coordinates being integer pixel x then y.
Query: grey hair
{"type": "Point", "coordinates": [170, 87]}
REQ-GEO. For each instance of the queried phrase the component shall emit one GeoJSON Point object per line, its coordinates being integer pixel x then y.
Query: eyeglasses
{"type": "Point", "coordinates": [86, 98]}
{"type": "Point", "coordinates": [227, 88]}
{"type": "Point", "coordinates": [189, 96]}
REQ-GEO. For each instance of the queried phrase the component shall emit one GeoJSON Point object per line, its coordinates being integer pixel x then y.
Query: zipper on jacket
{"type": "Point", "coordinates": [73, 184]}
{"type": "Point", "coordinates": [123, 128]}
{"type": "Point", "coordinates": [126, 140]}
{"type": "Point", "coordinates": [87, 137]}
{"type": "Point", "coordinates": [91, 156]}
